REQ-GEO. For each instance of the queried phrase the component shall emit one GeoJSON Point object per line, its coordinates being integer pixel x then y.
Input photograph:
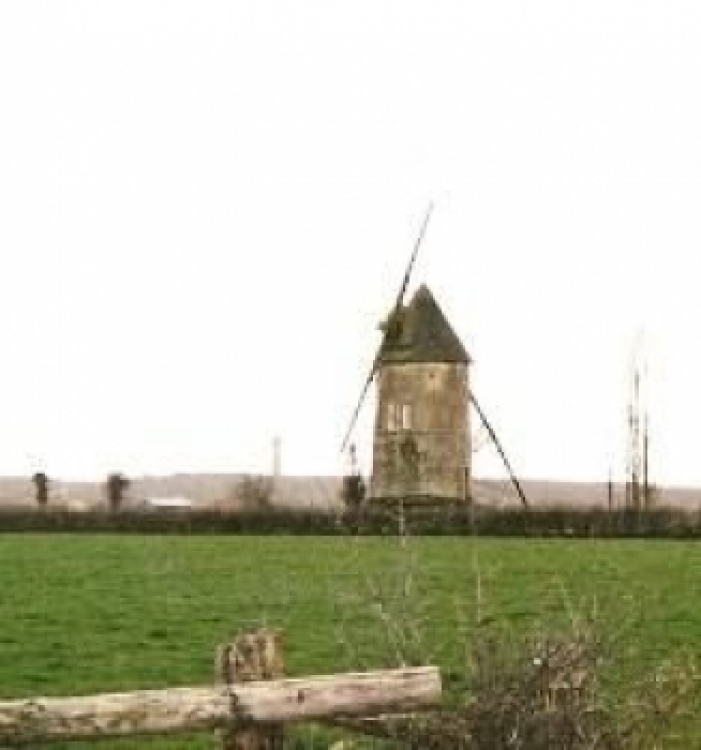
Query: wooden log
{"type": "Point", "coordinates": [189, 709]}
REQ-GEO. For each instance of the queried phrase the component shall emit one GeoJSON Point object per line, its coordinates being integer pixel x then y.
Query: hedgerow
{"type": "Point", "coordinates": [430, 521]}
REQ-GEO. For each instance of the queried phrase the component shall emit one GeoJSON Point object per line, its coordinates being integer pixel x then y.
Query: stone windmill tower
{"type": "Point", "coordinates": [421, 447]}
{"type": "Point", "coordinates": [422, 435]}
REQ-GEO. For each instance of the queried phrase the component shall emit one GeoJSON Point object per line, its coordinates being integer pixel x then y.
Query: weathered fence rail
{"type": "Point", "coordinates": [189, 709]}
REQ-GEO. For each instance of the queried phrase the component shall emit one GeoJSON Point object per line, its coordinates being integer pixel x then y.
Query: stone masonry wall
{"type": "Point", "coordinates": [422, 432]}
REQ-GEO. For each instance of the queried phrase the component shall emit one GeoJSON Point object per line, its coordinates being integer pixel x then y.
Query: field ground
{"type": "Point", "coordinates": [82, 614]}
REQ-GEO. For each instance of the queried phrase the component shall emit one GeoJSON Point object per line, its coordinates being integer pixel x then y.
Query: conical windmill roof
{"type": "Point", "coordinates": [422, 334]}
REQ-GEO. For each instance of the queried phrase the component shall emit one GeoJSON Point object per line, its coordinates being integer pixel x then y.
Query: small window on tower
{"type": "Point", "coordinates": [406, 417]}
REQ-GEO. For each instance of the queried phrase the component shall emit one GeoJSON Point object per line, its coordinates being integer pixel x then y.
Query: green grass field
{"type": "Point", "coordinates": [82, 614]}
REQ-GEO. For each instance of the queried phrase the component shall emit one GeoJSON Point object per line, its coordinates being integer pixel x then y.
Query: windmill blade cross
{"type": "Point", "coordinates": [395, 309]}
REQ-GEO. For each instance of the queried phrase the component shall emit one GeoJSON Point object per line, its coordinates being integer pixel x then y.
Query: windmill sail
{"type": "Point", "coordinates": [500, 449]}
{"type": "Point", "coordinates": [390, 329]}
{"type": "Point", "coordinates": [410, 266]}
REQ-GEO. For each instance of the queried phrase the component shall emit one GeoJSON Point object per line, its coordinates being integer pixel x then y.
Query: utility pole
{"type": "Point", "coordinates": [277, 458]}
{"type": "Point", "coordinates": [647, 494]}
{"type": "Point", "coordinates": [637, 496]}
{"type": "Point", "coordinates": [634, 453]}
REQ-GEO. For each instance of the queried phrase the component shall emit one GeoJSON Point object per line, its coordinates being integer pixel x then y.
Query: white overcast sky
{"type": "Point", "coordinates": [206, 208]}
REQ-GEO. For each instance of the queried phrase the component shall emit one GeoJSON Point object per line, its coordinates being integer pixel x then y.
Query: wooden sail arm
{"type": "Point", "coordinates": [500, 449]}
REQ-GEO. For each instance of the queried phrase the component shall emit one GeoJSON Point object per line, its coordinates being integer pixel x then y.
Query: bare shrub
{"type": "Point", "coordinates": [546, 694]}
{"type": "Point", "coordinates": [534, 694]}
{"type": "Point", "coordinates": [41, 488]}
{"type": "Point", "coordinates": [550, 689]}
{"type": "Point", "coordinates": [115, 486]}
{"type": "Point", "coordinates": [353, 491]}
{"type": "Point", "coordinates": [253, 493]}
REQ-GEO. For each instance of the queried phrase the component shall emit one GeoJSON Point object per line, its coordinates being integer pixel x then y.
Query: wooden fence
{"type": "Point", "coordinates": [247, 708]}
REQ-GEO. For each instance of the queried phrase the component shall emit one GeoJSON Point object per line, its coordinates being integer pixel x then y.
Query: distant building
{"type": "Point", "coordinates": [421, 447]}
{"type": "Point", "coordinates": [166, 503]}
{"type": "Point", "coordinates": [76, 505]}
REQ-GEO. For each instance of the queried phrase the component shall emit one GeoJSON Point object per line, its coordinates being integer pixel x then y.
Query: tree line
{"type": "Point", "coordinates": [114, 488]}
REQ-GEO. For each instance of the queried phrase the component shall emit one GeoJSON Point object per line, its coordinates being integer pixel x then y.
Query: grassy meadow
{"type": "Point", "coordinates": [81, 614]}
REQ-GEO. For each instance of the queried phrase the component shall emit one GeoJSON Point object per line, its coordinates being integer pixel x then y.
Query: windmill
{"type": "Point", "coordinates": [422, 440]}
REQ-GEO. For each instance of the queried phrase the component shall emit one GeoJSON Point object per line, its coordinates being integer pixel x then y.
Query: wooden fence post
{"type": "Point", "coordinates": [254, 655]}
